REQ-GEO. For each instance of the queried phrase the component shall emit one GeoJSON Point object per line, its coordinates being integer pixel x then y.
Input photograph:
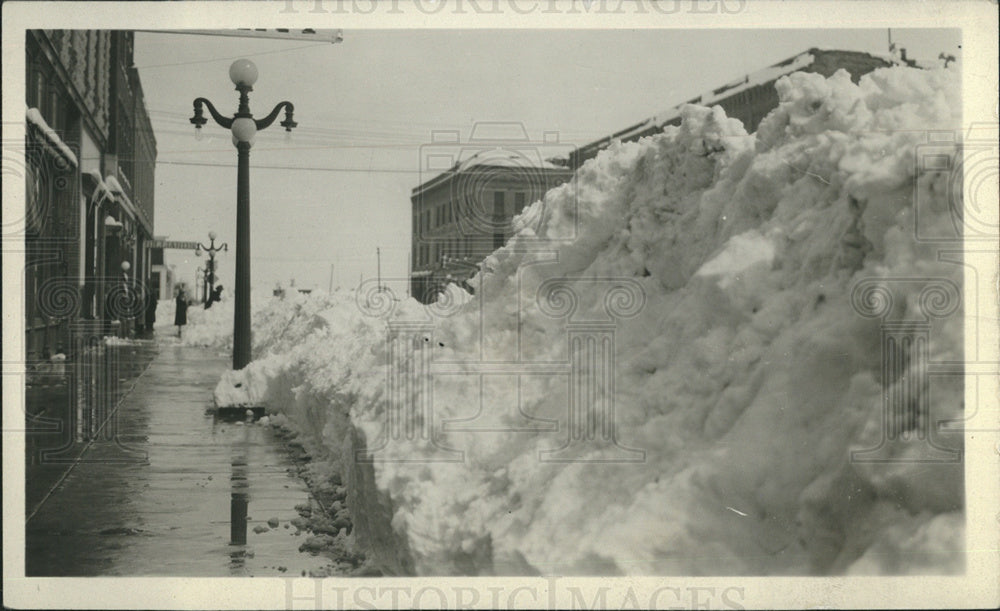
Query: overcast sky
{"type": "Point", "coordinates": [366, 106]}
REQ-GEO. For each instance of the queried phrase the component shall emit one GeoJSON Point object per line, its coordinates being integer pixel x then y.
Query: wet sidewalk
{"type": "Point", "coordinates": [55, 422]}
{"type": "Point", "coordinates": [156, 499]}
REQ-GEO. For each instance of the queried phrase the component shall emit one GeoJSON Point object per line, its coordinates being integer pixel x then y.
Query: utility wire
{"type": "Point", "coordinates": [285, 167]}
{"type": "Point", "coordinates": [220, 59]}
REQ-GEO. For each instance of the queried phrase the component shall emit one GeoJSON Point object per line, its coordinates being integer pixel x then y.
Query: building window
{"type": "Point", "coordinates": [126, 147]}
{"type": "Point", "coordinates": [519, 202]}
{"type": "Point", "coordinates": [54, 118]}
{"type": "Point", "coordinates": [41, 99]}
{"type": "Point", "coordinates": [36, 89]}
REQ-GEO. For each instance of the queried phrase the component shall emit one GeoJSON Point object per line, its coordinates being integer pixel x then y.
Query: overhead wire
{"type": "Point", "coordinates": [220, 59]}
{"type": "Point", "coordinates": [296, 168]}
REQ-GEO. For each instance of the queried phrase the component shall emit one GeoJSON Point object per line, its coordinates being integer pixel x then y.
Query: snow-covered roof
{"type": "Point", "coordinates": [754, 79]}
{"type": "Point", "coordinates": [710, 98]}
{"type": "Point", "coordinates": [35, 118]}
{"type": "Point", "coordinates": [507, 159]}
{"type": "Point", "coordinates": [494, 158]}
{"type": "Point", "coordinates": [764, 75]}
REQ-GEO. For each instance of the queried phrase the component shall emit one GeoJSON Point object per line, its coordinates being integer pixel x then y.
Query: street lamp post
{"type": "Point", "coordinates": [211, 249]}
{"type": "Point", "coordinates": [125, 320]}
{"type": "Point", "coordinates": [199, 283]}
{"type": "Point", "coordinates": [244, 127]}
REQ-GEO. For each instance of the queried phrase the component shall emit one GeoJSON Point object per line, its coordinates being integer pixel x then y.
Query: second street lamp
{"type": "Point", "coordinates": [244, 128]}
{"type": "Point", "coordinates": [211, 249]}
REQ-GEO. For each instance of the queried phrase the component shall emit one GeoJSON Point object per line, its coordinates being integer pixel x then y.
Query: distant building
{"type": "Point", "coordinates": [748, 98]}
{"type": "Point", "coordinates": [161, 277]}
{"type": "Point", "coordinates": [90, 159]}
{"type": "Point", "coordinates": [465, 213]}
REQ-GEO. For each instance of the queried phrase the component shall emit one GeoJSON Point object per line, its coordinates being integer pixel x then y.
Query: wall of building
{"type": "Point", "coordinates": [83, 94]}
{"type": "Point", "coordinates": [458, 221]}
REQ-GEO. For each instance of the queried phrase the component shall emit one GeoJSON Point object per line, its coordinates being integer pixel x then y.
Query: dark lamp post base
{"type": "Point", "coordinates": [238, 413]}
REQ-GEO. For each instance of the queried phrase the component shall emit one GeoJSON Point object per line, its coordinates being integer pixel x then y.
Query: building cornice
{"type": "Point", "coordinates": [45, 46]}
{"type": "Point", "coordinates": [449, 176]}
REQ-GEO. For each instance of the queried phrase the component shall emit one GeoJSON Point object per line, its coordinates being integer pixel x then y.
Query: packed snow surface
{"type": "Point", "coordinates": [724, 366]}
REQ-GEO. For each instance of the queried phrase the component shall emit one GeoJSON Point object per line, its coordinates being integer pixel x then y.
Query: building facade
{"type": "Point", "coordinates": [90, 160]}
{"type": "Point", "coordinates": [467, 212]}
{"type": "Point", "coordinates": [161, 276]}
{"type": "Point", "coordinates": [749, 98]}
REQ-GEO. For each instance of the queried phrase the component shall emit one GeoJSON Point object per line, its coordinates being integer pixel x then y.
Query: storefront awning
{"type": "Point", "coordinates": [50, 137]}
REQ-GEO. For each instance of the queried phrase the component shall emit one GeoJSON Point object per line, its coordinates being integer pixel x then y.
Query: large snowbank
{"type": "Point", "coordinates": [743, 373]}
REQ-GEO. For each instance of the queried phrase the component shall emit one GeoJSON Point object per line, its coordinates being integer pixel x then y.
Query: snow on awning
{"type": "Point", "coordinates": [116, 189]}
{"type": "Point", "coordinates": [114, 185]}
{"type": "Point", "coordinates": [122, 197]}
{"type": "Point", "coordinates": [52, 138]}
{"type": "Point", "coordinates": [101, 191]}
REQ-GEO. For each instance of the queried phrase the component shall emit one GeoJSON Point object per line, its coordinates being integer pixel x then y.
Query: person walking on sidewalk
{"type": "Point", "coordinates": [153, 299]}
{"type": "Point", "coordinates": [181, 313]}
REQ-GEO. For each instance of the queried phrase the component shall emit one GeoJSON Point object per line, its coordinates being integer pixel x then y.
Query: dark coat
{"type": "Point", "coordinates": [181, 314]}
{"type": "Point", "coordinates": [151, 310]}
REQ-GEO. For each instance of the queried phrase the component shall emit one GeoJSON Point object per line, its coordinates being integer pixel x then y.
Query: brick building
{"type": "Point", "coordinates": [90, 159]}
{"type": "Point", "coordinates": [748, 98]}
{"type": "Point", "coordinates": [465, 213]}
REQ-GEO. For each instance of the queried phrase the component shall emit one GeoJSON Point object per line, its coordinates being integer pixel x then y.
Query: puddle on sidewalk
{"type": "Point", "coordinates": [210, 499]}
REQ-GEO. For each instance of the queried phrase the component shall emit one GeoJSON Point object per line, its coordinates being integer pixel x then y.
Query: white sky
{"type": "Point", "coordinates": [366, 106]}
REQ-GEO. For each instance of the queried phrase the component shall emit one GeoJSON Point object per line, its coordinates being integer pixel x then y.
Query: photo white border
{"type": "Point", "coordinates": [978, 588]}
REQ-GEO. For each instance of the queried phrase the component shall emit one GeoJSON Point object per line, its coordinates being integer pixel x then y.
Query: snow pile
{"type": "Point", "coordinates": [111, 340]}
{"type": "Point", "coordinates": [211, 328]}
{"type": "Point", "coordinates": [280, 330]}
{"type": "Point", "coordinates": [723, 268]}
